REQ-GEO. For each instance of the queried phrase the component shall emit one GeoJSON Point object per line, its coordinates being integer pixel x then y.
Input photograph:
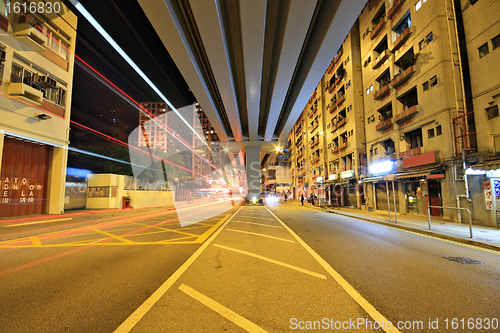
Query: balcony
{"type": "Point", "coordinates": [313, 112]}
{"type": "Point", "coordinates": [384, 124]}
{"type": "Point", "coordinates": [401, 39]}
{"type": "Point", "coordinates": [314, 128]}
{"type": "Point", "coordinates": [315, 160]}
{"type": "Point", "coordinates": [411, 152]}
{"type": "Point", "coordinates": [343, 145]}
{"type": "Point", "coordinates": [378, 28]}
{"type": "Point", "coordinates": [30, 36]}
{"type": "Point", "coordinates": [373, 4]}
{"type": "Point", "coordinates": [298, 130]}
{"type": "Point", "coordinates": [25, 93]}
{"type": "Point", "coordinates": [330, 90]}
{"type": "Point", "coordinates": [394, 9]}
{"type": "Point", "coordinates": [403, 77]}
{"type": "Point", "coordinates": [331, 67]}
{"type": "Point", "coordinates": [408, 113]}
{"type": "Point", "coordinates": [335, 150]}
{"type": "Point", "coordinates": [346, 168]}
{"type": "Point", "coordinates": [382, 92]}
{"type": "Point", "coordinates": [339, 124]}
{"type": "Point", "coordinates": [337, 58]}
{"type": "Point", "coordinates": [314, 144]}
{"type": "Point", "coordinates": [380, 59]}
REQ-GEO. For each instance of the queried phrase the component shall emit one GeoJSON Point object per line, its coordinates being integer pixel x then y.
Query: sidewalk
{"type": "Point", "coordinates": [486, 237]}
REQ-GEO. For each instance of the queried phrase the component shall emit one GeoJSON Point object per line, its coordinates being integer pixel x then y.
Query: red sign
{"type": "Point", "coordinates": [420, 159]}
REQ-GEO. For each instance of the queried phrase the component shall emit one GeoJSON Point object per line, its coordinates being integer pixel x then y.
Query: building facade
{"type": "Point", "coordinates": [36, 70]}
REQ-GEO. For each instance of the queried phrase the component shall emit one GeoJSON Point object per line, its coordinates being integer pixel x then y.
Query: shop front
{"type": "Point", "coordinates": [421, 191]}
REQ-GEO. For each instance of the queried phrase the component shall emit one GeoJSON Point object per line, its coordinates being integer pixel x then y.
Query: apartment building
{"type": "Point", "coordinates": [481, 55]}
{"type": "Point", "coordinates": [36, 71]}
{"type": "Point", "coordinates": [393, 121]}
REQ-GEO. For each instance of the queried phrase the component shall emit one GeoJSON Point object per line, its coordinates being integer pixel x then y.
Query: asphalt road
{"type": "Point", "coordinates": [403, 275]}
{"type": "Point", "coordinates": [90, 272]}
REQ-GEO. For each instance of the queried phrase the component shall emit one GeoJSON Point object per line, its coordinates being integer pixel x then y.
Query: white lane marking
{"type": "Point", "coordinates": [256, 234]}
{"type": "Point", "coordinates": [137, 315]}
{"type": "Point", "coordinates": [321, 276]}
{"type": "Point", "coordinates": [370, 309]}
{"type": "Point", "coordinates": [242, 322]}
{"type": "Point", "coordinates": [264, 225]}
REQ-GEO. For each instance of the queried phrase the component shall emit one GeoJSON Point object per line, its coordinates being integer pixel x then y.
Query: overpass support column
{"type": "Point", "coordinates": [253, 172]}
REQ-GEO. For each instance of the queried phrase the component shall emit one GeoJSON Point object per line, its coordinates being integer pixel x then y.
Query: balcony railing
{"type": "Point", "coordinates": [335, 150]}
{"type": "Point", "coordinates": [330, 90]}
{"type": "Point", "coordinates": [337, 103]}
{"type": "Point", "coordinates": [314, 128]}
{"type": "Point", "coordinates": [401, 39]}
{"type": "Point", "coordinates": [408, 113]}
{"type": "Point", "coordinates": [332, 65]}
{"type": "Point", "coordinates": [411, 152]}
{"type": "Point", "coordinates": [373, 4]}
{"type": "Point", "coordinates": [394, 9]}
{"type": "Point", "coordinates": [382, 92]}
{"type": "Point", "coordinates": [343, 145]}
{"type": "Point", "coordinates": [384, 124]}
{"type": "Point", "coordinates": [378, 28]}
{"type": "Point", "coordinates": [403, 77]}
{"type": "Point", "coordinates": [380, 59]}
{"type": "Point", "coordinates": [315, 160]}
{"type": "Point", "coordinates": [314, 144]}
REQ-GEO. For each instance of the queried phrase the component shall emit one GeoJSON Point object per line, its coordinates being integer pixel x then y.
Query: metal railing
{"type": "Point", "coordinates": [455, 208]}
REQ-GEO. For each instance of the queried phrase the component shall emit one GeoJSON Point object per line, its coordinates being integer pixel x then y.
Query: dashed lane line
{"type": "Point", "coordinates": [264, 225]}
{"type": "Point", "coordinates": [261, 235]}
{"type": "Point", "coordinates": [298, 269]}
{"type": "Point", "coordinates": [370, 309]}
{"type": "Point", "coordinates": [137, 315]}
{"type": "Point", "coordinates": [242, 322]}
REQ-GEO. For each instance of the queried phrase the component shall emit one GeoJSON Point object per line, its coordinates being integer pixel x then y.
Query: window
{"type": "Point", "coordinates": [371, 119]}
{"type": "Point", "coordinates": [403, 25]}
{"type": "Point", "coordinates": [495, 42]}
{"type": "Point", "coordinates": [438, 130]}
{"type": "Point", "coordinates": [483, 50]}
{"type": "Point", "coordinates": [492, 112]}
{"type": "Point", "coordinates": [418, 5]}
{"type": "Point", "coordinates": [375, 151]}
{"type": "Point", "coordinates": [429, 38]}
{"type": "Point", "coordinates": [430, 133]}
{"type": "Point", "coordinates": [433, 81]}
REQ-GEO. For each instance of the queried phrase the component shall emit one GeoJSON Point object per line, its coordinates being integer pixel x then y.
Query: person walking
{"type": "Point", "coordinates": [312, 199]}
{"type": "Point", "coordinates": [302, 199]}
{"type": "Point", "coordinates": [285, 197]}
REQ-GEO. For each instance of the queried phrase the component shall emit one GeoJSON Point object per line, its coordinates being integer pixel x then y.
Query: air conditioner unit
{"type": "Point", "coordinates": [46, 81]}
{"type": "Point", "coordinates": [2, 55]}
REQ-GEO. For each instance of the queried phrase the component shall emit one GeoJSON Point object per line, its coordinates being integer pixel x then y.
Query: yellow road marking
{"type": "Point", "coordinates": [264, 225]}
{"type": "Point", "coordinates": [124, 240]}
{"type": "Point", "coordinates": [256, 234]}
{"type": "Point", "coordinates": [222, 310]}
{"type": "Point", "coordinates": [370, 309]}
{"type": "Point", "coordinates": [37, 222]}
{"type": "Point", "coordinates": [321, 276]}
{"type": "Point", "coordinates": [134, 318]}
{"type": "Point", "coordinates": [175, 239]}
{"type": "Point", "coordinates": [35, 240]}
{"type": "Point", "coordinates": [207, 233]}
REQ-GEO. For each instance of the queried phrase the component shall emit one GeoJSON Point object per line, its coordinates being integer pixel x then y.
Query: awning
{"type": "Point", "coordinates": [372, 179]}
{"type": "Point", "coordinates": [416, 174]}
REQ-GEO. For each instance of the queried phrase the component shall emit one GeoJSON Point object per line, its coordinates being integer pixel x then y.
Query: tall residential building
{"type": "Point", "coordinates": [153, 134]}
{"type": "Point", "coordinates": [36, 73]}
{"type": "Point", "coordinates": [394, 118]}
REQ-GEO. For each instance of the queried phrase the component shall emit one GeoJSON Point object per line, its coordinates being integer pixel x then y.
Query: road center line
{"type": "Point", "coordinates": [222, 310]}
{"type": "Point", "coordinates": [321, 276]}
{"type": "Point", "coordinates": [370, 309]}
{"type": "Point", "coordinates": [137, 315]}
{"type": "Point", "coordinates": [264, 225]}
{"type": "Point", "coordinates": [261, 235]}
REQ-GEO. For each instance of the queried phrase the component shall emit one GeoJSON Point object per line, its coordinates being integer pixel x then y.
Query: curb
{"type": "Point", "coordinates": [425, 232]}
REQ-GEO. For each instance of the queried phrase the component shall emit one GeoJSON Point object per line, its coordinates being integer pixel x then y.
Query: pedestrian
{"type": "Point", "coordinates": [302, 199]}
{"type": "Point", "coordinates": [312, 199]}
{"type": "Point", "coordinates": [316, 199]}
{"type": "Point", "coordinates": [285, 196]}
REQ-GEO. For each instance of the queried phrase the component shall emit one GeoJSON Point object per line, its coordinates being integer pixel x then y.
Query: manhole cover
{"type": "Point", "coordinates": [466, 261]}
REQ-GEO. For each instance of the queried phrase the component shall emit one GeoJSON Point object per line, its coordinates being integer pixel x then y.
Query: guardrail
{"type": "Point", "coordinates": [455, 208]}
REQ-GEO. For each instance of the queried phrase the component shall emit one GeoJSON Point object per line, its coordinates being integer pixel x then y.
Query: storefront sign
{"type": "Point", "coordinates": [319, 180]}
{"type": "Point", "coordinates": [497, 189]}
{"type": "Point", "coordinates": [347, 174]}
{"type": "Point", "coordinates": [487, 195]}
{"type": "Point", "coordinates": [18, 190]}
{"type": "Point", "coordinates": [332, 176]}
